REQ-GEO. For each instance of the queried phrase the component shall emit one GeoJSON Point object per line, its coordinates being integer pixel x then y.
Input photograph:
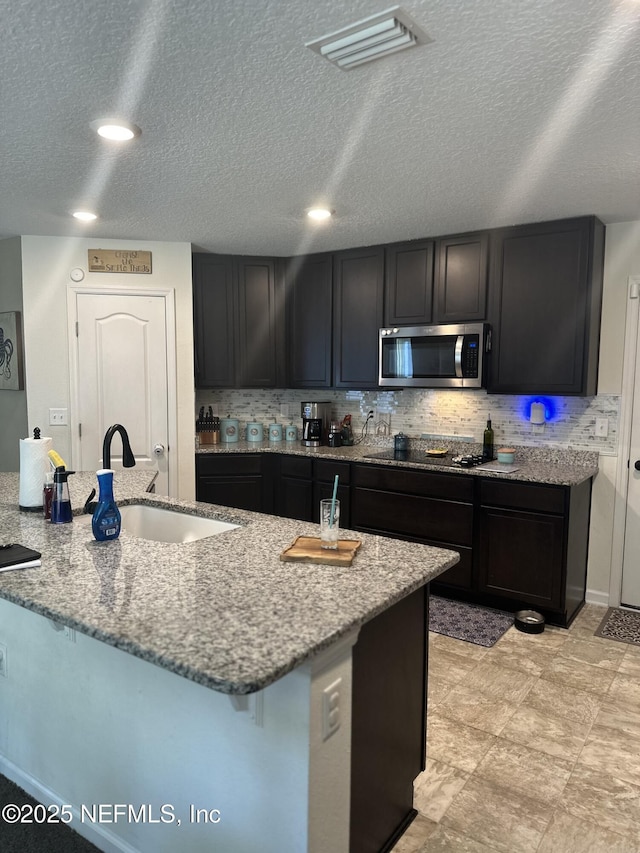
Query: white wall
{"type": "Point", "coordinates": [622, 259]}
{"type": "Point", "coordinates": [46, 264]}
{"type": "Point", "coordinates": [83, 722]}
{"type": "Point", "coordinates": [13, 404]}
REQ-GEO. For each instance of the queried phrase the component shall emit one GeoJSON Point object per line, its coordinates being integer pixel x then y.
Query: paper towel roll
{"type": "Point", "coordinates": [34, 464]}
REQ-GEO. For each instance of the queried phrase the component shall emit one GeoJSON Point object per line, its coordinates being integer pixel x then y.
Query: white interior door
{"type": "Point", "coordinates": [631, 555]}
{"type": "Point", "coordinates": [122, 378]}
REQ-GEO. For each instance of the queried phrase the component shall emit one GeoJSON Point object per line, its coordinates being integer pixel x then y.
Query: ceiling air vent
{"type": "Point", "coordinates": [370, 39]}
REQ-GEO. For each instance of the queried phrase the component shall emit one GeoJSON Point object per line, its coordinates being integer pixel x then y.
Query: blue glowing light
{"type": "Point", "coordinates": [549, 403]}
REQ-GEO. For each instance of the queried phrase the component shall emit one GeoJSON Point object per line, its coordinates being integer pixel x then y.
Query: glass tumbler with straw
{"type": "Point", "coordinates": [330, 520]}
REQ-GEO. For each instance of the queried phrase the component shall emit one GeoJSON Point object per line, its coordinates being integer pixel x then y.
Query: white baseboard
{"type": "Point", "coordinates": [595, 596]}
{"type": "Point", "coordinates": [95, 833]}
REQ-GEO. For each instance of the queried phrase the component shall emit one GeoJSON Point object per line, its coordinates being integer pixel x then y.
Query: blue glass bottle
{"type": "Point", "coordinates": [106, 517]}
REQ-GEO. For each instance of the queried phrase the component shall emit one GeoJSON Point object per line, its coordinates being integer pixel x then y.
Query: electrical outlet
{"type": "Point", "coordinates": [69, 633]}
{"type": "Point", "coordinates": [58, 417]}
{"type": "Point", "coordinates": [284, 410]}
{"type": "Point", "coordinates": [3, 660]}
{"type": "Point", "coordinates": [331, 709]}
{"type": "Point", "coordinates": [602, 427]}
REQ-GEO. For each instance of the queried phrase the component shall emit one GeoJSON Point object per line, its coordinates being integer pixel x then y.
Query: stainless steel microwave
{"type": "Point", "coordinates": [434, 356]}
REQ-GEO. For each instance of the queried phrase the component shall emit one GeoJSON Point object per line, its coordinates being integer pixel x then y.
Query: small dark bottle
{"type": "Point", "coordinates": [47, 495]}
{"type": "Point", "coordinates": [487, 443]}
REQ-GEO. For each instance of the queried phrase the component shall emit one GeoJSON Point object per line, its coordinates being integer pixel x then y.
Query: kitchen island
{"type": "Point", "coordinates": [206, 685]}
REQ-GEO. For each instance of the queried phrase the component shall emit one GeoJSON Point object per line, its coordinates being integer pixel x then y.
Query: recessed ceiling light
{"type": "Point", "coordinates": [115, 129]}
{"type": "Point", "coordinates": [84, 215]}
{"type": "Point", "coordinates": [319, 214]}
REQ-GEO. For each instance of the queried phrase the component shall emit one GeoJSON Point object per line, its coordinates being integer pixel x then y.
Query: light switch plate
{"type": "Point", "coordinates": [58, 417]}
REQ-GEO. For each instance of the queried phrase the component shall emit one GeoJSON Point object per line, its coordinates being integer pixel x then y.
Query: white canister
{"type": "Point", "coordinates": [291, 432]}
{"type": "Point", "coordinates": [229, 429]}
{"type": "Point", "coordinates": [255, 431]}
{"type": "Point", "coordinates": [275, 432]}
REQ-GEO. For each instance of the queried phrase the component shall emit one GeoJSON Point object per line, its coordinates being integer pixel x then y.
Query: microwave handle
{"type": "Point", "coordinates": [487, 346]}
{"type": "Point", "coordinates": [458, 356]}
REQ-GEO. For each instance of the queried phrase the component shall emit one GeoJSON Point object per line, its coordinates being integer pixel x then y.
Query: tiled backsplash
{"type": "Point", "coordinates": [450, 413]}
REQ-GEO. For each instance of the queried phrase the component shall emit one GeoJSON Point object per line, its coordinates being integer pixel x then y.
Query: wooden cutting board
{"type": "Point", "coordinates": [306, 549]}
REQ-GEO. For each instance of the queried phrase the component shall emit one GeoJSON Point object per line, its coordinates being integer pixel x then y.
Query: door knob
{"type": "Point", "coordinates": [637, 465]}
{"type": "Point", "coordinates": [158, 449]}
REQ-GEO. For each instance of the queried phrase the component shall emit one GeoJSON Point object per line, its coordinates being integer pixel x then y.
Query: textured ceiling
{"type": "Point", "coordinates": [518, 111]}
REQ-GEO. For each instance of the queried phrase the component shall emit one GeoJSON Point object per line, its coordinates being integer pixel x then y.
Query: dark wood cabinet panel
{"type": "Point", "coordinates": [426, 484]}
{"type": "Point", "coordinates": [462, 263]}
{"type": "Point", "coordinates": [458, 577]}
{"type": "Point", "coordinates": [546, 282]}
{"type": "Point", "coordinates": [533, 542]}
{"type": "Point", "coordinates": [521, 555]}
{"type": "Point", "coordinates": [213, 315]}
{"type": "Point", "coordinates": [409, 283]}
{"type": "Point", "coordinates": [257, 326]}
{"type": "Point", "coordinates": [388, 722]}
{"type": "Point", "coordinates": [293, 487]}
{"type": "Point", "coordinates": [238, 322]}
{"type": "Point", "coordinates": [357, 318]}
{"type": "Point", "coordinates": [418, 517]}
{"type": "Point", "coordinates": [234, 480]}
{"type": "Point", "coordinates": [309, 322]}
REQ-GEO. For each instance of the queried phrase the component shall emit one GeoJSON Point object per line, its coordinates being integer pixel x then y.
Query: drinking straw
{"type": "Point", "coordinates": [333, 501]}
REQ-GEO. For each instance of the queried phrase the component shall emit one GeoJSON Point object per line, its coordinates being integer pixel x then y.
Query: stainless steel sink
{"type": "Point", "coordinates": [165, 525]}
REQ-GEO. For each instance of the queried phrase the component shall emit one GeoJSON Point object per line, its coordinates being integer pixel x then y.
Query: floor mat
{"type": "Point", "coordinates": [621, 625]}
{"type": "Point", "coordinates": [470, 622]}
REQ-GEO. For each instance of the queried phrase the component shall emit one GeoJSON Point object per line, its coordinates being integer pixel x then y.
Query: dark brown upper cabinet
{"type": "Point", "coordinates": [409, 284]}
{"type": "Point", "coordinates": [213, 314]}
{"type": "Point", "coordinates": [461, 273]}
{"type": "Point", "coordinates": [358, 276]}
{"type": "Point", "coordinates": [239, 322]}
{"type": "Point", "coordinates": [259, 321]}
{"type": "Point", "coordinates": [309, 321]}
{"type": "Point", "coordinates": [546, 284]}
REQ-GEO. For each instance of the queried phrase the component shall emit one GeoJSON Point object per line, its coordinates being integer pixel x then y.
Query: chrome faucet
{"type": "Point", "coordinates": [128, 459]}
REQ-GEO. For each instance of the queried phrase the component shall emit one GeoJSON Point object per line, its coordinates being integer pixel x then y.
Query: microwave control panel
{"type": "Point", "coordinates": [470, 358]}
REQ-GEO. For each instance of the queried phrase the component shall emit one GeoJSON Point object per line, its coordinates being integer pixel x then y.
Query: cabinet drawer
{"type": "Point", "coordinates": [295, 466]}
{"type": "Point", "coordinates": [228, 463]}
{"type": "Point", "coordinates": [325, 471]}
{"type": "Point", "coordinates": [448, 486]}
{"type": "Point", "coordinates": [523, 496]}
{"type": "Point", "coordinates": [423, 518]}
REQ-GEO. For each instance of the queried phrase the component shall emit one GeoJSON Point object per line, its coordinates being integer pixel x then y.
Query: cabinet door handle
{"type": "Point", "coordinates": [637, 465]}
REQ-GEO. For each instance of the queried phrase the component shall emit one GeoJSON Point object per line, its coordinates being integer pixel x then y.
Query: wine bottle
{"type": "Point", "coordinates": [487, 442]}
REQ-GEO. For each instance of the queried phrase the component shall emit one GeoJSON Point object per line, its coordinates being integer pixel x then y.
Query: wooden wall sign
{"type": "Point", "coordinates": [119, 260]}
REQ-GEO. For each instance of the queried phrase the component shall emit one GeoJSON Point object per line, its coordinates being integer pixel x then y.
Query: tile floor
{"type": "Point", "coordinates": [532, 745]}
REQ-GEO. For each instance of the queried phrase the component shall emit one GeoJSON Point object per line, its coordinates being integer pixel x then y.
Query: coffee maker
{"type": "Point", "coordinates": [316, 418]}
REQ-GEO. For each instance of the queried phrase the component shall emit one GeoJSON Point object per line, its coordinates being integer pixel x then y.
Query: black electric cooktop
{"type": "Point", "coordinates": [421, 458]}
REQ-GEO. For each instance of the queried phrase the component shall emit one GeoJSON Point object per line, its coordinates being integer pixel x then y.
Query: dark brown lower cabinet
{"type": "Point", "coordinates": [389, 709]}
{"type": "Point", "coordinates": [293, 488]}
{"type": "Point", "coordinates": [436, 509]}
{"type": "Point", "coordinates": [233, 479]}
{"type": "Point", "coordinates": [301, 483]}
{"type": "Point", "coordinates": [521, 545]}
{"type": "Point", "coordinates": [533, 542]}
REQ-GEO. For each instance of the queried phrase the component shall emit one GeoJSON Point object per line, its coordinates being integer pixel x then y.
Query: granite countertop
{"type": "Point", "coordinates": [223, 611]}
{"type": "Point", "coordinates": [551, 466]}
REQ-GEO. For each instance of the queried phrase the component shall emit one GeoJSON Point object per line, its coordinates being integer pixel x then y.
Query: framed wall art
{"type": "Point", "coordinates": [11, 355]}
